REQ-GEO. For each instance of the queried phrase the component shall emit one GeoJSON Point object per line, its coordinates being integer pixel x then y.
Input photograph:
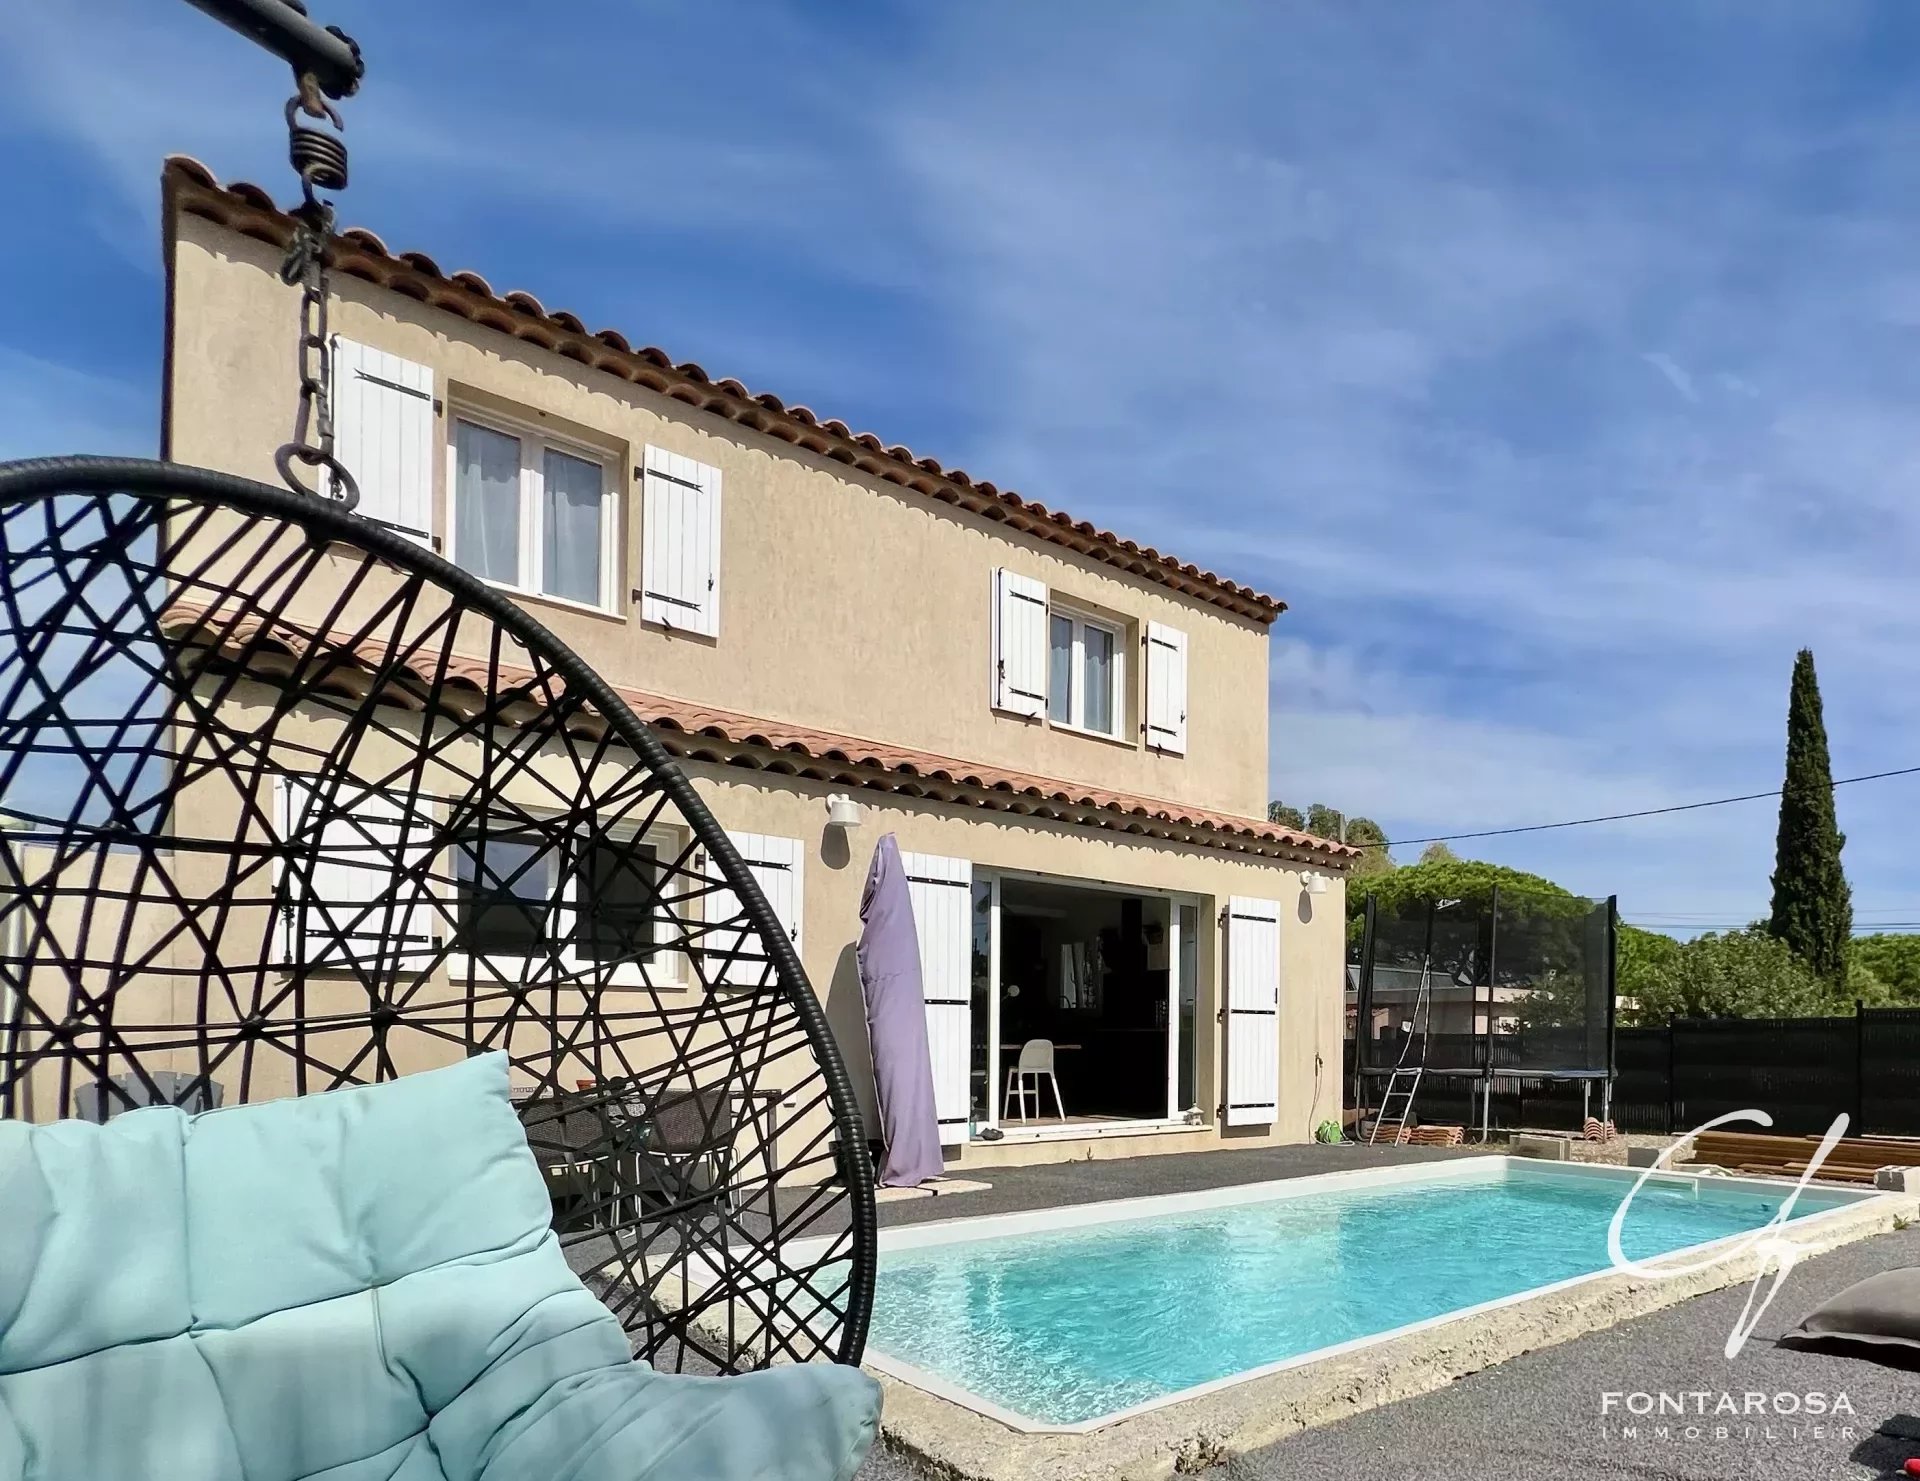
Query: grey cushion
{"type": "Point", "coordinates": [1883, 1309]}
{"type": "Point", "coordinates": [192, 1093]}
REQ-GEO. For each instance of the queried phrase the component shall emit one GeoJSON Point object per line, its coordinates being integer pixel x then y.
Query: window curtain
{"type": "Point", "coordinates": [1060, 671]}
{"type": "Point", "coordinates": [1099, 678]}
{"type": "Point", "coordinates": [486, 530]}
{"type": "Point", "coordinates": [570, 517]}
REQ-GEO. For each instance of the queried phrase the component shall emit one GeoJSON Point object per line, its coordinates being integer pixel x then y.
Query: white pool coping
{"type": "Point", "coordinates": [1467, 1170]}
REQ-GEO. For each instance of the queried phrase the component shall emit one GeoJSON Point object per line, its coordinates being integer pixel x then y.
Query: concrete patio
{"type": "Point", "coordinates": [1052, 1185]}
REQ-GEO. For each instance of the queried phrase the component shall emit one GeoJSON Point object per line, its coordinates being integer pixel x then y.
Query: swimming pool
{"type": "Point", "coordinates": [1129, 1304]}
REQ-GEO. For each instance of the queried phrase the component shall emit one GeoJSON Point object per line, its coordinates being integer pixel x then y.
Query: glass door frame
{"type": "Point", "coordinates": [1174, 899]}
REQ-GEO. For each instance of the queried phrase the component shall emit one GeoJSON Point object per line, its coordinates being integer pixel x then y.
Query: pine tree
{"type": "Point", "coordinates": [1325, 822]}
{"type": "Point", "coordinates": [1286, 817]}
{"type": "Point", "coordinates": [1374, 860]}
{"type": "Point", "coordinates": [1812, 906]}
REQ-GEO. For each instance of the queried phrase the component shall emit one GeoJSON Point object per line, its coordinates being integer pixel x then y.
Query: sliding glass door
{"type": "Point", "coordinates": [1106, 975]}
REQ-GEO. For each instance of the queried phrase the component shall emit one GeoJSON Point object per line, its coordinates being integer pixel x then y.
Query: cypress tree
{"type": "Point", "coordinates": [1812, 906]}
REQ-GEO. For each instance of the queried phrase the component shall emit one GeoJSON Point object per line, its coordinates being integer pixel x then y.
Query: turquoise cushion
{"type": "Point", "coordinates": [361, 1286]}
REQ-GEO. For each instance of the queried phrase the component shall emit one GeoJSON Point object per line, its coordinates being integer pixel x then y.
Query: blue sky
{"type": "Point", "coordinates": [1556, 363]}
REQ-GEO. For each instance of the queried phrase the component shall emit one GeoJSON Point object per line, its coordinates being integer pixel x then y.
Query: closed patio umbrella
{"type": "Point", "coordinates": [889, 956]}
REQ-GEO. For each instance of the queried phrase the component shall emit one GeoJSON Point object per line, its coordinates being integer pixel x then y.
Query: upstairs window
{"type": "Point", "coordinates": [531, 514]}
{"type": "Point", "coordinates": [1085, 673]}
{"type": "Point", "coordinates": [1056, 661]}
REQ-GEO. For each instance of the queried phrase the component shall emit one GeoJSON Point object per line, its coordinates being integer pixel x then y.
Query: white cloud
{"type": "Point", "coordinates": [1674, 374]}
{"type": "Point", "coordinates": [1354, 315]}
{"type": "Point", "coordinates": [1372, 373]}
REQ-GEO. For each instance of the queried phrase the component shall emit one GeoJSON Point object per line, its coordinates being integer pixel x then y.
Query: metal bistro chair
{"type": "Point", "coordinates": [584, 1145]}
{"type": "Point", "coordinates": [100, 1101]}
{"type": "Point", "coordinates": [688, 1149]}
{"type": "Point", "coordinates": [1036, 1059]}
{"type": "Point", "coordinates": [610, 1158]}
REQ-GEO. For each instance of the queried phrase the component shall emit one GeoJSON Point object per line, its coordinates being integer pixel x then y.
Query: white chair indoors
{"type": "Point", "coordinates": [1036, 1059]}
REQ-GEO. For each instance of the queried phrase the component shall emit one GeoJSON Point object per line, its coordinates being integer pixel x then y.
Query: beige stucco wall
{"type": "Point", "coordinates": [104, 909]}
{"type": "Point", "coordinates": [1312, 932]}
{"type": "Point", "coordinates": [848, 605]}
{"type": "Point", "coordinates": [199, 901]}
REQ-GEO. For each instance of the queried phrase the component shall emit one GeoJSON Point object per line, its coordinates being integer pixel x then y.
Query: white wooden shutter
{"type": "Point", "coordinates": [1019, 644]}
{"type": "Point", "coordinates": [362, 893]}
{"type": "Point", "coordinates": [680, 544]}
{"type": "Point", "coordinates": [383, 431]}
{"type": "Point", "coordinates": [1253, 1011]}
{"type": "Point", "coordinates": [778, 866]}
{"type": "Point", "coordinates": [1166, 649]}
{"type": "Point", "coordinates": [941, 891]}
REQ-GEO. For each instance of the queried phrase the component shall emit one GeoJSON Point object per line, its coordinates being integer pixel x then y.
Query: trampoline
{"type": "Point", "coordinates": [1520, 990]}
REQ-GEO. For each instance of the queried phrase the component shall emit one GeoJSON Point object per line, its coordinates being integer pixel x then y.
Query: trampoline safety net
{"type": "Point", "coordinates": [1520, 985]}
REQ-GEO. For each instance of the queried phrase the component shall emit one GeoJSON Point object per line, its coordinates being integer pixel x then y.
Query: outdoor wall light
{"type": "Point", "coordinates": [1314, 882]}
{"type": "Point", "coordinates": [842, 811]}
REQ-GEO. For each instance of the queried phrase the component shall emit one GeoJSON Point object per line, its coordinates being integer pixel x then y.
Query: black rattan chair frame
{"type": "Point", "coordinates": [185, 583]}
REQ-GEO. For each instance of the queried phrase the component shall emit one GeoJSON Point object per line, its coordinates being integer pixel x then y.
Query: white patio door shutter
{"type": "Point", "coordinates": [735, 953]}
{"type": "Point", "coordinates": [1166, 688]}
{"type": "Point", "coordinates": [941, 891]}
{"type": "Point", "coordinates": [364, 894]}
{"type": "Point", "coordinates": [383, 432]}
{"type": "Point", "coordinates": [1253, 1011]}
{"type": "Point", "coordinates": [1019, 644]}
{"type": "Point", "coordinates": [680, 544]}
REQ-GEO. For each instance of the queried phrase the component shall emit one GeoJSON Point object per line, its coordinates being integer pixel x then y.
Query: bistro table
{"type": "Point", "coordinates": [603, 1153]}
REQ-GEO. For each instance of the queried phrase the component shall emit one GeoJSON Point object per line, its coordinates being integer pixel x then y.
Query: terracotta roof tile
{"type": "Point", "coordinates": [681, 724]}
{"type": "Point", "coordinates": [668, 714]}
{"type": "Point", "coordinates": [190, 187]}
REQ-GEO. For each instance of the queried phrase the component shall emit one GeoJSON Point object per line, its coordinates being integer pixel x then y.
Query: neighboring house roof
{"type": "Point", "coordinates": [1396, 984]}
{"type": "Point", "coordinates": [189, 186]}
{"type": "Point", "coordinates": [703, 733]}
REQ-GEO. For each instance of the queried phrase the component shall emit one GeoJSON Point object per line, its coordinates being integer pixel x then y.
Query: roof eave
{"type": "Point", "coordinates": [188, 186]}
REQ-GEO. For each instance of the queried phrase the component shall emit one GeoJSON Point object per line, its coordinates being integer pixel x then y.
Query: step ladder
{"type": "Point", "coordinates": [1404, 1083]}
{"type": "Point", "coordinates": [1402, 1086]}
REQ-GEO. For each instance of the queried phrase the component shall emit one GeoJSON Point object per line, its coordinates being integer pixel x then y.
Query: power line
{"type": "Point", "coordinates": [1884, 917]}
{"type": "Point", "coordinates": [1888, 928]}
{"type": "Point", "coordinates": [1901, 910]}
{"type": "Point", "coordinates": [1641, 917]}
{"type": "Point", "coordinates": [1621, 817]}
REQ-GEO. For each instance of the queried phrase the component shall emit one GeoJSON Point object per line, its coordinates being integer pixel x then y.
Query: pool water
{"type": "Point", "coordinates": [1074, 1324]}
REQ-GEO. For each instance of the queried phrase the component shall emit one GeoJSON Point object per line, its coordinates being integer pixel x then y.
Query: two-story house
{"type": "Point", "coordinates": [1067, 731]}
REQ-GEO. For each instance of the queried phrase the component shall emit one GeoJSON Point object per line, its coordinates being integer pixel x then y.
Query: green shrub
{"type": "Point", "coordinates": [1738, 974]}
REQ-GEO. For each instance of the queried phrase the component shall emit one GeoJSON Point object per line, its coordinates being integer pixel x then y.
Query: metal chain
{"type": "Point", "coordinates": [321, 160]}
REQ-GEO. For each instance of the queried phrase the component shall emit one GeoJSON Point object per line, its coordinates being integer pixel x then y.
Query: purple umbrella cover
{"type": "Point", "coordinates": [889, 956]}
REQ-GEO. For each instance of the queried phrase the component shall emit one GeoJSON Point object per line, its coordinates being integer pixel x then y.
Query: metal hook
{"type": "Point", "coordinates": [310, 101]}
{"type": "Point", "coordinates": [345, 491]}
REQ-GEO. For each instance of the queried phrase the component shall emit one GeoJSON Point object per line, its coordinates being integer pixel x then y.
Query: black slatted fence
{"type": "Point", "coordinates": [1890, 1071]}
{"type": "Point", "coordinates": [1801, 1071]}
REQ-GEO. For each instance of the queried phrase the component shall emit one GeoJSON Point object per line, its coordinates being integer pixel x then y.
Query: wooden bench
{"type": "Point", "coordinates": [1852, 1160]}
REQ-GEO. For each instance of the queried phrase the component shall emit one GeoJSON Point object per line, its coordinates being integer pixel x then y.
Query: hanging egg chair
{"type": "Point", "coordinates": [291, 803]}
